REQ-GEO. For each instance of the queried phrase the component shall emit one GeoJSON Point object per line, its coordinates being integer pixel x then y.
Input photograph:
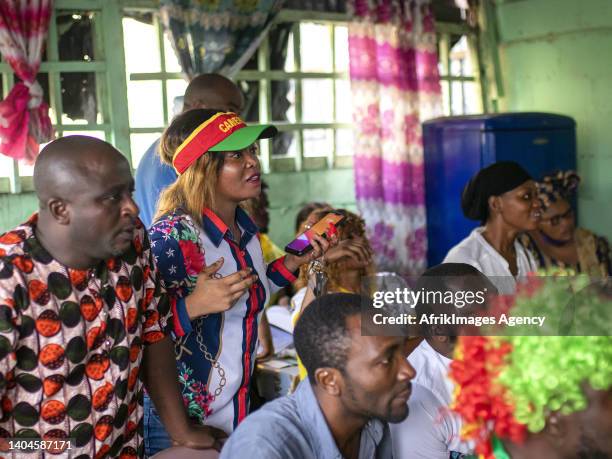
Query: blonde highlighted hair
{"type": "Point", "coordinates": [194, 189]}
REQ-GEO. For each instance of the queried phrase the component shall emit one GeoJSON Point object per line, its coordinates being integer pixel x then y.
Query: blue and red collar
{"type": "Point", "coordinates": [216, 230]}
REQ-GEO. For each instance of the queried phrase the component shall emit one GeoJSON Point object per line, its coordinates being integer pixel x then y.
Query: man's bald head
{"type": "Point", "coordinates": [211, 90]}
{"type": "Point", "coordinates": [87, 213]}
{"type": "Point", "coordinates": [69, 163]}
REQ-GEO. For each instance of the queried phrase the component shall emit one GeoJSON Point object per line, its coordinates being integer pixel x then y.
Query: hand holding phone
{"type": "Point", "coordinates": [326, 227]}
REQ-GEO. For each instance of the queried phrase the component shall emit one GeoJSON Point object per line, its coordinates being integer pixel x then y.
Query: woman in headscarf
{"type": "Point", "coordinates": [557, 242]}
{"type": "Point", "coordinates": [503, 198]}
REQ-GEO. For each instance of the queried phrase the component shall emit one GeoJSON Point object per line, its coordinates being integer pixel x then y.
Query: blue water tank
{"type": "Point", "coordinates": [456, 147]}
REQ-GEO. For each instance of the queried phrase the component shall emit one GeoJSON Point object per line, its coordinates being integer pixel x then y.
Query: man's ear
{"type": "Point", "coordinates": [330, 380]}
{"type": "Point", "coordinates": [59, 210]}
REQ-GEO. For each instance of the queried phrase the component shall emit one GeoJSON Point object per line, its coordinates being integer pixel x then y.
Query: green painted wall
{"type": "Point", "coordinates": [289, 191]}
{"type": "Point", "coordinates": [556, 56]}
{"type": "Point", "coordinates": [15, 209]}
{"type": "Point", "coordinates": [287, 194]}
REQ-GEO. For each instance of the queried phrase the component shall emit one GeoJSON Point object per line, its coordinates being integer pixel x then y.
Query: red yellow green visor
{"type": "Point", "coordinates": [222, 132]}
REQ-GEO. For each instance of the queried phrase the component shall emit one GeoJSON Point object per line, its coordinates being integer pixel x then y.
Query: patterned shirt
{"type": "Point", "coordinates": [216, 352]}
{"type": "Point", "coordinates": [71, 344]}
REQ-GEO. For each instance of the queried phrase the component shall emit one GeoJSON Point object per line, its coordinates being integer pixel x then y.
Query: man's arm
{"type": "Point", "coordinates": [161, 381]}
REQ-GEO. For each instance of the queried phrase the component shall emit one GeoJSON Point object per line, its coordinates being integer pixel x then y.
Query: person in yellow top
{"type": "Point", "coordinates": [344, 265]}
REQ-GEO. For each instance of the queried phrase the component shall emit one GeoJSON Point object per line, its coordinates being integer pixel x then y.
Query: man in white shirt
{"type": "Point", "coordinates": [431, 430]}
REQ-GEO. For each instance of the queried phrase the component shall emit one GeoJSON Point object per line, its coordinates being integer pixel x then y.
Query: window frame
{"type": "Point", "coordinates": [108, 68]}
{"type": "Point", "coordinates": [111, 82]}
{"type": "Point", "coordinates": [444, 31]}
{"type": "Point", "coordinates": [266, 76]}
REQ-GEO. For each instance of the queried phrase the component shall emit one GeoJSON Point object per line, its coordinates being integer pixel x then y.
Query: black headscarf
{"type": "Point", "coordinates": [493, 180]}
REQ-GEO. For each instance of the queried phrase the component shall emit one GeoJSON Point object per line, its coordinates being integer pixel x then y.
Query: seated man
{"type": "Point", "coordinates": [431, 430]}
{"type": "Point", "coordinates": [355, 385]}
{"type": "Point", "coordinates": [82, 313]}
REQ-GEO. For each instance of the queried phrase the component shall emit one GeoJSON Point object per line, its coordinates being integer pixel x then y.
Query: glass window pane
{"type": "Point", "coordinates": [341, 48]}
{"type": "Point", "coordinates": [172, 63]}
{"type": "Point", "coordinates": [283, 101]}
{"type": "Point", "coordinates": [141, 47]}
{"type": "Point", "coordinates": [140, 143]}
{"type": "Point", "coordinates": [318, 142]}
{"type": "Point", "coordinates": [285, 144]}
{"type": "Point", "coordinates": [343, 101]}
{"type": "Point", "coordinates": [175, 91]}
{"type": "Point", "coordinates": [457, 66]}
{"type": "Point", "coordinates": [445, 97]}
{"type": "Point", "coordinates": [315, 47]}
{"type": "Point", "coordinates": [6, 166]}
{"type": "Point", "coordinates": [43, 80]}
{"type": "Point", "coordinates": [97, 134]}
{"type": "Point", "coordinates": [344, 142]}
{"type": "Point", "coordinates": [317, 101]}
{"type": "Point", "coordinates": [461, 62]}
{"type": "Point", "coordinates": [145, 104]}
{"type": "Point", "coordinates": [250, 91]}
{"type": "Point", "coordinates": [26, 170]}
{"type": "Point", "coordinates": [472, 102]}
{"type": "Point", "coordinates": [79, 98]}
{"type": "Point", "coordinates": [52, 116]}
{"type": "Point", "coordinates": [76, 29]}
{"type": "Point", "coordinates": [289, 61]}
{"type": "Point", "coordinates": [457, 98]}
{"type": "Point", "coordinates": [291, 98]}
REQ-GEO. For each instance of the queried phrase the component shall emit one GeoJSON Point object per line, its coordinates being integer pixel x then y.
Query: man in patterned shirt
{"type": "Point", "coordinates": [83, 313]}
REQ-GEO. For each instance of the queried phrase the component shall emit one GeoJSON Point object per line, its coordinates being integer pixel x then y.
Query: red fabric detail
{"type": "Point", "coordinates": [207, 138]}
{"type": "Point", "coordinates": [222, 227]}
{"type": "Point", "coordinates": [194, 258]}
{"type": "Point", "coordinates": [251, 312]}
{"type": "Point", "coordinates": [279, 265]}
{"type": "Point", "coordinates": [176, 323]}
{"type": "Point", "coordinates": [24, 116]}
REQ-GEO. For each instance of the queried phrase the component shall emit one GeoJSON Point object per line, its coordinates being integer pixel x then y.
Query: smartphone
{"type": "Point", "coordinates": [301, 244]}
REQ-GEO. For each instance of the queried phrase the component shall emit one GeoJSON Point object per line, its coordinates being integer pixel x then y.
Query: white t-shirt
{"type": "Point", "coordinates": [476, 251]}
{"type": "Point", "coordinates": [431, 430]}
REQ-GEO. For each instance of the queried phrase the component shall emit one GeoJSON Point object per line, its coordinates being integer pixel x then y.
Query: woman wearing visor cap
{"type": "Point", "coordinates": [210, 257]}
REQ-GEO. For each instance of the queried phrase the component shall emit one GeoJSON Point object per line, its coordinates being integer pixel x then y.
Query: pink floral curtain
{"type": "Point", "coordinates": [24, 116]}
{"type": "Point", "coordinates": [395, 86]}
